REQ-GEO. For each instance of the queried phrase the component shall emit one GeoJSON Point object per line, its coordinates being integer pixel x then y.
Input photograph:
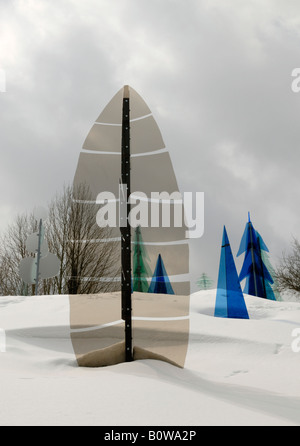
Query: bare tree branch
{"type": "Point", "coordinates": [89, 263]}
{"type": "Point", "coordinates": [288, 272]}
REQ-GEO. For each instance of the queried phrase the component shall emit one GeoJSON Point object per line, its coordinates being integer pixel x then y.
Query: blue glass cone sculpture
{"type": "Point", "coordinates": [230, 302]}
{"type": "Point", "coordinates": [160, 283]}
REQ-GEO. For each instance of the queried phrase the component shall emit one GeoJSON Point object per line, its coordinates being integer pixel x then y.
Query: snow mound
{"type": "Point", "coordinates": [238, 372]}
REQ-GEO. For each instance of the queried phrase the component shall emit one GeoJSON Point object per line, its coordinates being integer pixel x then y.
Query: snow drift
{"type": "Point", "coordinates": [237, 372]}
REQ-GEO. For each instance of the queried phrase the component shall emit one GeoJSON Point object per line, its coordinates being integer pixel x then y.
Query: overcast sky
{"type": "Point", "coordinates": [216, 75]}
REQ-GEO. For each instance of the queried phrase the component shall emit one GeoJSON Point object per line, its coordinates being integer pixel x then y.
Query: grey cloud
{"type": "Point", "coordinates": [217, 77]}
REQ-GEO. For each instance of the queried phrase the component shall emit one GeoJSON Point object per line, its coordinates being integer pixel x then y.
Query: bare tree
{"type": "Point", "coordinates": [89, 262]}
{"type": "Point", "coordinates": [288, 272]}
{"type": "Point", "coordinates": [88, 259]}
{"type": "Point", "coordinates": [13, 249]}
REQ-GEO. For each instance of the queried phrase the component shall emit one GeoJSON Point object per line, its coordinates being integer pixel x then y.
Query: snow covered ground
{"type": "Point", "coordinates": [238, 372]}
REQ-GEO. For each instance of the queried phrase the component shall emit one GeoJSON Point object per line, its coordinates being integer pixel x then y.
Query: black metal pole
{"type": "Point", "coordinates": [126, 230]}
